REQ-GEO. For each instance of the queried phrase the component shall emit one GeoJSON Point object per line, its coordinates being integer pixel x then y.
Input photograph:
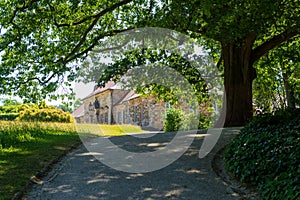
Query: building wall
{"type": "Point", "coordinates": [103, 113]}
{"type": "Point", "coordinates": [145, 112]}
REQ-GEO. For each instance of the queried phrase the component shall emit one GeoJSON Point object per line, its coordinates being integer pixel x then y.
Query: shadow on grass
{"type": "Point", "coordinates": [23, 160]}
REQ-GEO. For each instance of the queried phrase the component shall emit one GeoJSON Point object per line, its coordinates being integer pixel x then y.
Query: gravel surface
{"type": "Point", "coordinates": [80, 176]}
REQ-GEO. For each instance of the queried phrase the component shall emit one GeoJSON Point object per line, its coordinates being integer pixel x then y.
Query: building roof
{"type": "Point", "coordinates": [129, 96]}
{"type": "Point", "coordinates": [79, 112]}
{"type": "Point", "coordinates": [108, 86]}
{"type": "Point", "coordinates": [114, 86]}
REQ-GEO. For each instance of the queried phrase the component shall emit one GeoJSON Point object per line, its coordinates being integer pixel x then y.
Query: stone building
{"type": "Point", "coordinates": [113, 105]}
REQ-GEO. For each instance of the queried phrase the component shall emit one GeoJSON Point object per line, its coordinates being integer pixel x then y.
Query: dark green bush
{"type": "Point", "coordinates": [267, 154]}
{"type": "Point", "coordinates": [8, 116]}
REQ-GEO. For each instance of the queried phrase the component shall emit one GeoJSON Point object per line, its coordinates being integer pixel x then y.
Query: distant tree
{"type": "Point", "coordinates": [10, 102]}
{"type": "Point", "coordinates": [77, 103]}
{"type": "Point", "coordinates": [70, 105]}
{"type": "Point", "coordinates": [277, 85]}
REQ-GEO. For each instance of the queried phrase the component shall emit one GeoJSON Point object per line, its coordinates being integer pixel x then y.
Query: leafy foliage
{"type": "Point", "coordinates": [176, 120]}
{"type": "Point", "coordinates": [104, 72]}
{"type": "Point", "coordinates": [41, 40]}
{"type": "Point", "coordinates": [13, 108]}
{"type": "Point", "coordinates": [173, 120]}
{"type": "Point", "coordinates": [8, 116]}
{"type": "Point", "coordinates": [267, 153]}
{"type": "Point", "coordinates": [34, 112]}
{"type": "Point", "coordinates": [11, 111]}
{"type": "Point", "coordinates": [45, 115]}
{"type": "Point", "coordinates": [277, 85]}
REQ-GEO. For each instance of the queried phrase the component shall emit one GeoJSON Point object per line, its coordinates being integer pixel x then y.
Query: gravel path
{"type": "Point", "coordinates": [80, 176]}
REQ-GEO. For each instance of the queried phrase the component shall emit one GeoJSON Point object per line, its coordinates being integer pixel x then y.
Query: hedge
{"type": "Point", "coordinates": [267, 154]}
{"type": "Point", "coordinates": [8, 116]}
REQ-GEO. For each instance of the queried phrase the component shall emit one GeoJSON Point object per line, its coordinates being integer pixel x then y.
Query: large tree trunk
{"type": "Point", "coordinates": [238, 77]}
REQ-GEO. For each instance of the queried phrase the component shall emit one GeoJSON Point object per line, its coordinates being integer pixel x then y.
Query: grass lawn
{"type": "Point", "coordinates": [26, 148]}
{"type": "Point", "coordinates": [109, 130]}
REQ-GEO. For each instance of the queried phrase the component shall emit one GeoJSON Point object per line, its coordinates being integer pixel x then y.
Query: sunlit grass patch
{"type": "Point", "coordinates": [27, 147]}
{"type": "Point", "coordinates": [108, 130]}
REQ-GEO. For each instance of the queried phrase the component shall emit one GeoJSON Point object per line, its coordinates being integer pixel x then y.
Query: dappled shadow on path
{"type": "Point", "coordinates": [82, 176]}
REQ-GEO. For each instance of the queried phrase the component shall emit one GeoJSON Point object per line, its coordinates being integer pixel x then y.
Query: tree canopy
{"type": "Point", "coordinates": [42, 40]}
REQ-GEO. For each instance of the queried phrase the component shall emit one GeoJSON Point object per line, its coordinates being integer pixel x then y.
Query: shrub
{"type": "Point", "coordinates": [267, 154]}
{"type": "Point", "coordinates": [177, 120]}
{"type": "Point", "coordinates": [8, 116]}
{"type": "Point", "coordinates": [13, 108]}
{"type": "Point", "coordinates": [189, 121]}
{"type": "Point", "coordinates": [173, 120]}
{"type": "Point", "coordinates": [50, 114]}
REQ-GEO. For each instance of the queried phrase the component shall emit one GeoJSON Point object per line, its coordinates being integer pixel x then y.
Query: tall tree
{"type": "Point", "coordinates": [246, 31]}
{"type": "Point", "coordinates": [40, 38]}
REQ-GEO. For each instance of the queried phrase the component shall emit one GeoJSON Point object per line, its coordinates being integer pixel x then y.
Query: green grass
{"type": "Point", "coordinates": [26, 148]}
{"type": "Point", "coordinates": [22, 161]}
{"type": "Point", "coordinates": [109, 130]}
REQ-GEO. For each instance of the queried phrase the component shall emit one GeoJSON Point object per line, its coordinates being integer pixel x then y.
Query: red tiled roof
{"type": "Point", "coordinates": [79, 112]}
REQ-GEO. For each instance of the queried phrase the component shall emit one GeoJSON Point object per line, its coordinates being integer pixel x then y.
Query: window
{"type": "Point", "coordinates": [124, 117]}
{"type": "Point", "coordinates": [145, 116]}
{"type": "Point", "coordinates": [119, 118]}
{"type": "Point", "coordinates": [151, 113]}
{"type": "Point", "coordinates": [97, 116]}
{"type": "Point", "coordinates": [91, 107]}
{"type": "Point", "coordinates": [130, 115]}
{"type": "Point", "coordinates": [106, 118]}
{"type": "Point", "coordinates": [137, 114]}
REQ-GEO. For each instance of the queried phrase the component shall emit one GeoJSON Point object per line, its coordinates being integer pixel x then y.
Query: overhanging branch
{"type": "Point", "coordinates": [95, 16]}
{"type": "Point", "coordinates": [261, 50]}
{"type": "Point", "coordinates": [24, 7]}
{"type": "Point", "coordinates": [73, 56]}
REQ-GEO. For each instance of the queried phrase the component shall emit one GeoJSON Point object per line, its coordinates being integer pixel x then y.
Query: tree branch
{"type": "Point", "coordinates": [73, 56]}
{"type": "Point", "coordinates": [261, 50]}
{"type": "Point", "coordinates": [95, 16]}
{"type": "Point", "coordinates": [21, 9]}
{"type": "Point", "coordinates": [220, 61]}
{"type": "Point", "coordinates": [39, 80]}
{"type": "Point", "coordinates": [110, 48]}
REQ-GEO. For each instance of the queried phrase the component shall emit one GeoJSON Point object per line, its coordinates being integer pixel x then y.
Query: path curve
{"type": "Point", "coordinates": [80, 176]}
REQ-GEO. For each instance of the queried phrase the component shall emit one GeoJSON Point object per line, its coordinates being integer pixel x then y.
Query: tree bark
{"type": "Point", "coordinates": [238, 77]}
